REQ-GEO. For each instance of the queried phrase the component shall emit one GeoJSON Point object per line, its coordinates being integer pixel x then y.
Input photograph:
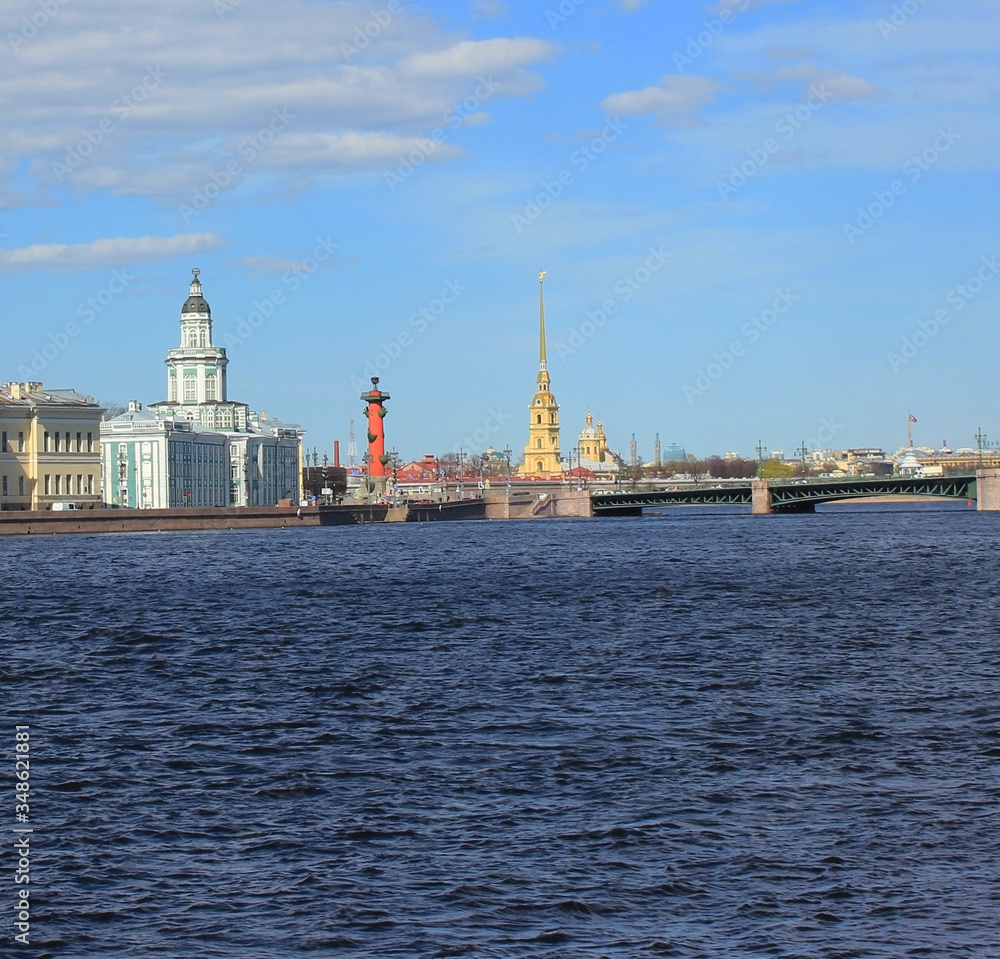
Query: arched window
{"type": "Point", "coordinates": [552, 417]}
{"type": "Point", "coordinates": [539, 467]}
{"type": "Point", "coordinates": [539, 418]}
{"type": "Point", "coordinates": [539, 442]}
{"type": "Point", "coordinates": [202, 338]}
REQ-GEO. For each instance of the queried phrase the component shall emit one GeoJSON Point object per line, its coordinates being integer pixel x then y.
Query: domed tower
{"type": "Point", "coordinates": [196, 371]}
{"type": "Point", "coordinates": [197, 386]}
{"type": "Point", "coordinates": [541, 455]}
{"type": "Point", "coordinates": [593, 442]}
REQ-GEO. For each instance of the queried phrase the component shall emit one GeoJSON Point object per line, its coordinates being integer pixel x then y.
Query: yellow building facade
{"type": "Point", "coordinates": [50, 448]}
{"type": "Point", "coordinates": [542, 458]}
{"type": "Point", "coordinates": [593, 444]}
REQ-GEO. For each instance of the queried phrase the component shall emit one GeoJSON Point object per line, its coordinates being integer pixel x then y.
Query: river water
{"type": "Point", "coordinates": [695, 734]}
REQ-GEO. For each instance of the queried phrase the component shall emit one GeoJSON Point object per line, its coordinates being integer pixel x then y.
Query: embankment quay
{"type": "Point", "coordinates": [539, 501]}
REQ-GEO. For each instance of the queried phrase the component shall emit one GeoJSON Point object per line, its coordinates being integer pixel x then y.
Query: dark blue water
{"type": "Point", "coordinates": [700, 734]}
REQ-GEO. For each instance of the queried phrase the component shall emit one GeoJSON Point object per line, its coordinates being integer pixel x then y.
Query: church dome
{"type": "Point", "coordinates": [196, 303]}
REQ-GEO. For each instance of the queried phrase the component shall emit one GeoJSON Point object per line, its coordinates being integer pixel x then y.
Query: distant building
{"type": "Point", "coordinates": [672, 453]}
{"type": "Point", "coordinates": [49, 448]}
{"type": "Point", "coordinates": [595, 454]}
{"type": "Point", "coordinates": [541, 454]}
{"type": "Point", "coordinates": [198, 447]}
{"type": "Point", "coordinates": [863, 461]}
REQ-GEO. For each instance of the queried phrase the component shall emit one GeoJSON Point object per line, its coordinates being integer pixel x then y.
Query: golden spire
{"type": "Point", "coordinates": [541, 328]}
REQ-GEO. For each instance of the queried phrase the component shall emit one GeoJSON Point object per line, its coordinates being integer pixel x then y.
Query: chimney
{"type": "Point", "coordinates": [336, 453]}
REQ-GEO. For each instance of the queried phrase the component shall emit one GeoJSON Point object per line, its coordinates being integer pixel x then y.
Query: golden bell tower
{"type": "Point", "coordinates": [541, 455]}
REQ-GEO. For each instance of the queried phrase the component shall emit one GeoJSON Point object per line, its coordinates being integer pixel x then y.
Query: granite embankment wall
{"type": "Point", "coordinates": [526, 504]}
{"type": "Point", "coordinates": [154, 520]}
{"type": "Point", "coordinates": [545, 503]}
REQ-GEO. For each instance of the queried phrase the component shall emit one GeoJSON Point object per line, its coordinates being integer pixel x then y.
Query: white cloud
{"type": "Point", "coordinates": [151, 99]}
{"type": "Point", "coordinates": [675, 100]}
{"type": "Point", "coordinates": [354, 150]}
{"type": "Point", "coordinates": [471, 58]}
{"type": "Point", "coordinates": [490, 9]}
{"type": "Point", "coordinates": [114, 252]}
{"type": "Point", "coordinates": [839, 86]}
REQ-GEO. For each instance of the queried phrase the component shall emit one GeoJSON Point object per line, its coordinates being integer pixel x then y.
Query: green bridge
{"type": "Point", "coordinates": [776, 496]}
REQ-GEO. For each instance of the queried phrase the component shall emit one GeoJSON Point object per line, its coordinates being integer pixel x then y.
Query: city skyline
{"type": "Point", "coordinates": [760, 220]}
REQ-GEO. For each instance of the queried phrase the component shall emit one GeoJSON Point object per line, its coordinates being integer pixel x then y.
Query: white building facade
{"type": "Point", "coordinates": [198, 448]}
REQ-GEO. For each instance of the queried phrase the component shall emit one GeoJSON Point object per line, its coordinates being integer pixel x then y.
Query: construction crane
{"type": "Point", "coordinates": [352, 448]}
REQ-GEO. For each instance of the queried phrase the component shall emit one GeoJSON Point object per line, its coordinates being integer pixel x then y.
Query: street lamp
{"type": "Point", "coordinates": [394, 458]}
{"type": "Point", "coordinates": [761, 450]}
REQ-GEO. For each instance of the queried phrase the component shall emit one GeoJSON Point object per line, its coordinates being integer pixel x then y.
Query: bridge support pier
{"type": "Point", "coordinates": [760, 492]}
{"type": "Point", "coordinates": [988, 490]}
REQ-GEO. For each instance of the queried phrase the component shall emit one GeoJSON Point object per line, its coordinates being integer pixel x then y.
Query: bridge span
{"type": "Point", "coordinates": [801, 496]}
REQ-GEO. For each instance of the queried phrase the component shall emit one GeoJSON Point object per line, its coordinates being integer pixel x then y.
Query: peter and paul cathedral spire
{"type": "Point", "coordinates": [541, 455]}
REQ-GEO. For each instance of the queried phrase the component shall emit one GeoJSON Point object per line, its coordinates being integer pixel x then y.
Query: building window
{"type": "Point", "coordinates": [58, 483]}
{"type": "Point", "coordinates": [190, 389]}
{"type": "Point", "coordinates": [46, 441]}
{"type": "Point", "coordinates": [4, 487]}
{"type": "Point", "coordinates": [20, 486]}
{"type": "Point", "coordinates": [90, 483]}
{"type": "Point", "coordinates": [202, 338]}
{"type": "Point", "coordinates": [20, 442]}
{"type": "Point", "coordinates": [90, 442]}
{"type": "Point", "coordinates": [210, 388]}
{"type": "Point", "coordinates": [539, 442]}
{"type": "Point", "coordinates": [3, 444]}
{"type": "Point", "coordinates": [79, 442]}
{"type": "Point", "coordinates": [79, 483]}
{"type": "Point", "coordinates": [538, 419]}
{"type": "Point", "coordinates": [57, 434]}
{"type": "Point", "coordinates": [173, 388]}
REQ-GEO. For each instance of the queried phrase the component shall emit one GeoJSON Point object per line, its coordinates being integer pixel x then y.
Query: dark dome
{"type": "Point", "coordinates": [196, 304]}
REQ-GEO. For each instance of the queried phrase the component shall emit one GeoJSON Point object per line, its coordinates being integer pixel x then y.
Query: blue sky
{"type": "Point", "coordinates": [760, 220]}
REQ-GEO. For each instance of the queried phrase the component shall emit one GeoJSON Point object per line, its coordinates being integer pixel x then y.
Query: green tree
{"type": "Point", "coordinates": [775, 469]}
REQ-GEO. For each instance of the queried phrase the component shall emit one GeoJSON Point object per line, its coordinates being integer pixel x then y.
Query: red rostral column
{"type": "Point", "coordinates": [375, 412]}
